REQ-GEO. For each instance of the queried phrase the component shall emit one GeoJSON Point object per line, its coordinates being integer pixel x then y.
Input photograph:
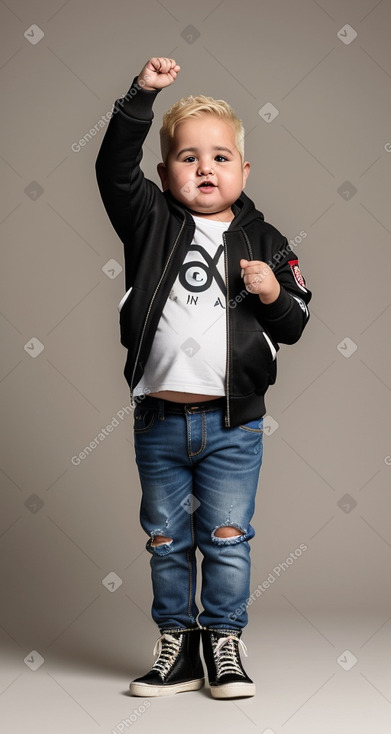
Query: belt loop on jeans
{"type": "Point", "coordinates": [160, 413]}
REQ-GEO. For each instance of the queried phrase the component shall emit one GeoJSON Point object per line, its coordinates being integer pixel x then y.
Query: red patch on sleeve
{"type": "Point", "coordinates": [297, 274]}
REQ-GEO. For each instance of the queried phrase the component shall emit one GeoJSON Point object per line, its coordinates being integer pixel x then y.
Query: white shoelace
{"type": "Point", "coordinates": [166, 648]}
{"type": "Point", "coordinates": [226, 656]}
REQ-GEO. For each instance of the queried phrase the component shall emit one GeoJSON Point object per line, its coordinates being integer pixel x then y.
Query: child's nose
{"type": "Point", "coordinates": [204, 168]}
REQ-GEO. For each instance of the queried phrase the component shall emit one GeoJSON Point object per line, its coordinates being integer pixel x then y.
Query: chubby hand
{"type": "Point", "coordinates": [259, 279]}
{"type": "Point", "coordinates": [157, 73]}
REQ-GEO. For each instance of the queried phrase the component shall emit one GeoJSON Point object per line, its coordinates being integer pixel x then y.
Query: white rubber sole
{"type": "Point", "coordinates": [148, 691]}
{"type": "Point", "coordinates": [233, 690]}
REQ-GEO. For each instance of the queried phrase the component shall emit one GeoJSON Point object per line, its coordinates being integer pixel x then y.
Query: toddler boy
{"type": "Point", "coordinates": [211, 291]}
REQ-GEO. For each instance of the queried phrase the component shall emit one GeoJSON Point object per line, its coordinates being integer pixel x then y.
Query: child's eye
{"type": "Point", "coordinates": [191, 158]}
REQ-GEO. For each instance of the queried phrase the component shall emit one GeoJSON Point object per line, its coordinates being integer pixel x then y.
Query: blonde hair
{"type": "Point", "coordinates": [188, 107]}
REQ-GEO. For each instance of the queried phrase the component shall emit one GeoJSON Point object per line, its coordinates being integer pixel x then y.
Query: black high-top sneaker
{"type": "Point", "coordinates": [227, 677]}
{"type": "Point", "coordinates": [178, 667]}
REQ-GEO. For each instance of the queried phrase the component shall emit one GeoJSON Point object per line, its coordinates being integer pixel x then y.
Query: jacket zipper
{"type": "Point", "coordinates": [227, 418]}
{"type": "Point", "coordinates": [132, 403]}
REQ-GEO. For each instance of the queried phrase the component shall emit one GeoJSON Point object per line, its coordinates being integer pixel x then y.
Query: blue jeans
{"type": "Point", "coordinates": [197, 476]}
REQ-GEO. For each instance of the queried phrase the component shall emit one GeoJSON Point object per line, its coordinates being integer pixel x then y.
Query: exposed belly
{"type": "Point", "coordinates": [182, 397]}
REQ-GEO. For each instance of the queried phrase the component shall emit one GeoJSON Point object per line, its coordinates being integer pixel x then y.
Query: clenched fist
{"type": "Point", "coordinates": [259, 278]}
{"type": "Point", "coordinates": [158, 73]}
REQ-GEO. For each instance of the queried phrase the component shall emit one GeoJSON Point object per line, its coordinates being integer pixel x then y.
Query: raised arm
{"type": "Point", "coordinates": [125, 192]}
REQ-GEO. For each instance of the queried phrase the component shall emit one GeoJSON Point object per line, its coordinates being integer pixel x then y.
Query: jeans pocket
{"type": "Point", "coordinates": [143, 419]}
{"type": "Point", "coordinates": [255, 426]}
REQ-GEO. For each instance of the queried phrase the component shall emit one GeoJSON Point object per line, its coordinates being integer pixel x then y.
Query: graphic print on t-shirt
{"type": "Point", "coordinates": [196, 277]}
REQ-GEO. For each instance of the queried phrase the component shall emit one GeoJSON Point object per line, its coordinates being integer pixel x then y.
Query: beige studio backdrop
{"type": "Point", "coordinates": [312, 84]}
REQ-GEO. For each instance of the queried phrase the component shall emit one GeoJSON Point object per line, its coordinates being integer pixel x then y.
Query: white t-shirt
{"type": "Point", "coordinates": [188, 353]}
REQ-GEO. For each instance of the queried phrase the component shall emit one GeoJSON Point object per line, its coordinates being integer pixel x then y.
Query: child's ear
{"type": "Point", "coordinates": [163, 174]}
{"type": "Point", "coordinates": [246, 171]}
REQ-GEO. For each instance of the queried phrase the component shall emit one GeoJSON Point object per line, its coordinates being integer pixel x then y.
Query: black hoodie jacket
{"type": "Point", "coordinates": [157, 230]}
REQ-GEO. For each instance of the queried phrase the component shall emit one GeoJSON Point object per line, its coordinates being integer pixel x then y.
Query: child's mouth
{"type": "Point", "coordinates": [207, 187]}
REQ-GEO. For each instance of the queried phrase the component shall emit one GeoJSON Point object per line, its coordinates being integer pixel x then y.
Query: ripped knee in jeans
{"type": "Point", "coordinates": [229, 534]}
{"type": "Point", "coordinates": [159, 544]}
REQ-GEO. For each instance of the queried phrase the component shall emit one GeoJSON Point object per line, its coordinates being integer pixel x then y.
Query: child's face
{"type": "Point", "coordinates": [204, 149]}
